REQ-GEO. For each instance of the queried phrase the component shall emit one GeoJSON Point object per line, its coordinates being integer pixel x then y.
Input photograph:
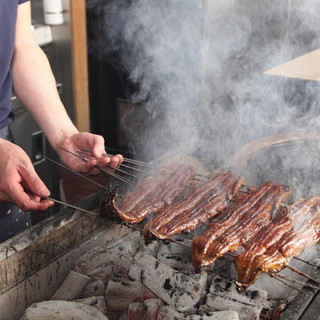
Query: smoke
{"type": "Point", "coordinates": [197, 69]}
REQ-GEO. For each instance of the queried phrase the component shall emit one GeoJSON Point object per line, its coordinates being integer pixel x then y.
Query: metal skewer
{"type": "Point", "coordinates": [72, 206]}
{"type": "Point", "coordinates": [307, 262]}
{"type": "Point", "coordinates": [84, 156]}
{"type": "Point", "coordinates": [302, 274]}
{"type": "Point", "coordinates": [75, 172]}
{"type": "Point", "coordinates": [286, 283]}
{"type": "Point", "coordinates": [100, 168]}
{"type": "Point", "coordinates": [179, 242]}
{"type": "Point", "coordinates": [128, 160]}
{"type": "Point", "coordinates": [298, 282]}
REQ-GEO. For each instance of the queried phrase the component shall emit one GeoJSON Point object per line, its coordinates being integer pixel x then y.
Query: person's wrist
{"type": "Point", "coordinates": [62, 137]}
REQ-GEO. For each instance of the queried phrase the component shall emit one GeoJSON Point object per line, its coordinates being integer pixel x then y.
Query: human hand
{"type": "Point", "coordinates": [89, 141]}
{"type": "Point", "coordinates": [18, 175]}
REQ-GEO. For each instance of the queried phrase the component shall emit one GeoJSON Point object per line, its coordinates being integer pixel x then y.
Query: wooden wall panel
{"type": "Point", "coordinates": [80, 64]}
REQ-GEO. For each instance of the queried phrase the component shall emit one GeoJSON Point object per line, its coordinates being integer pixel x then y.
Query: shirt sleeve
{"type": "Point", "coordinates": [23, 1]}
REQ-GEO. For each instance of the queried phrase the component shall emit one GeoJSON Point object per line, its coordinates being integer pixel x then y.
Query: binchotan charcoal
{"type": "Point", "coordinates": [149, 309]}
{"type": "Point", "coordinates": [223, 296]}
{"type": "Point", "coordinates": [153, 307]}
{"type": "Point", "coordinates": [63, 310]}
{"type": "Point", "coordinates": [120, 294]}
{"type": "Point", "coordinates": [94, 289]}
{"type": "Point", "coordinates": [217, 315]}
{"type": "Point", "coordinates": [151, 248]}
{"type": "Point", "coordinates": [176, 256]}
{"type": "Point", "coordinates": [98, 302]}
{"type": "Point", "coordinates": [175, 288]}
{"type": "Point", "coordinates": [136, 311]}
{"type": "Point", "coordinates": [100, 262]}
{"type": "Point", "coordinates": [121, 268]}
{"type": "Point", "coordinates": [72, 286]}
{"type": "Point", "coordinates": [168, 313]}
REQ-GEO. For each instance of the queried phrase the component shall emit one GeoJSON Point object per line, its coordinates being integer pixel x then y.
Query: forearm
{"type": "Point", "coordinates": [35, 86]}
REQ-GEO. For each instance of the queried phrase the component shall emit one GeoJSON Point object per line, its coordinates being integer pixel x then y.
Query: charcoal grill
{"type": "Point", "coordinates": [34, 264]}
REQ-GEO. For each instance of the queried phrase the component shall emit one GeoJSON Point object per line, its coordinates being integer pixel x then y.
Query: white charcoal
{"type": "Point", "coordinates": [120, 294]}
{"type": "Point", "coordinates": [153, 307]}
{"type": "Point", "coordinates": [63, 310]}
{"type": "Point", "coordinates": [136, 311]}
{"type": "Point", "coordinates": [72, 286]}
{"type": "Point", "coordinates": [99, 302]}
{"type": "Point", "coordinates": [94, 288]}
{"type": "Point", "coordinates": [149, 309]}
{"type": "Point", "coordinates": [176, 256]}
{"type": "Point", "coordinates": [100, 262]}
{"type": "Point", "coordinates": [224, 296]}
{"type": "Point", "coordinates": [175, 288]}
{"type": "Point", "coordinates": [218, 315]}
{"type": "Point", "coordinates": [168, 313]}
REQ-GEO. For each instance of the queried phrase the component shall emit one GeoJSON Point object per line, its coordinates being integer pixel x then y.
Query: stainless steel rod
{"type": "Point", "coordinates": [77, 173]}
{"type": "Point", "coordinates": [108, 166]}
{"type": "Point", "coordinates": [72, 206]}
{"type": "Point", "coordinates": [307, 262]}
{"type": "Point", "coordinates": [298, 282]}
{"type": "Point", "coordinates": [302, 274]}
{"type": "Point", "coordinates": [100, 168]}
{"type": "Point", "coordinates": [137, 162]}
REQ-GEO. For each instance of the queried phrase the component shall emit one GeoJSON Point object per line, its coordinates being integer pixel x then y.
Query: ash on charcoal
{"type": "Point", "coordinates": [223, 296]}
{"type": "Point", "coordinates": [100, 262]}
{"type": "Point", "coordinates": [175, 288]}
{"type": "Point", "coordinates": [218, 315]}
{"type": "Point", "coordinates": [119, 295]}
{"type": "Point", "coordinates": [63, 310]}
{"type": "Point", "coordinates": [98, 302]}
{"type": "Point", "coordinates": [72, 286]}
{"type": "Point", "coordinates": [168, 313]}
{"type": "Point", "coordinates": [147, 310]}
{"type": "Point", "coordinates": [176, 256]}
{"type": "Point", "coordinates": [93, 289]}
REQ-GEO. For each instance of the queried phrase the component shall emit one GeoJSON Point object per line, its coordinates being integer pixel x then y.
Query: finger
{"type": "Point", "coordinates": [33, 204]}
{"type": "Point", "coordinates": [104, 161]}
{"type": "Point", "coordinates": [33, 182]}
{"type": "Point", "coordinates": [86, 167]}
{"type": "Point", "coordinates": [98, 147]}
{"type": "Point", "coordinates": [90, 141]}
{"type": "Point", "coordinates": [24, 200]}
{"type": "Point", "coordinates": [116, 160]}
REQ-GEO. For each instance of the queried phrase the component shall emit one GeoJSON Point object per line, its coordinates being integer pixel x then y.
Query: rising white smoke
{"type": "Point", "coordinates": [198, 70]}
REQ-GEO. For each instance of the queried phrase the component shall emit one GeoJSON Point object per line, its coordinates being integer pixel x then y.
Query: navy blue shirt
{"type": "Point", "coordinates": [8, 17]}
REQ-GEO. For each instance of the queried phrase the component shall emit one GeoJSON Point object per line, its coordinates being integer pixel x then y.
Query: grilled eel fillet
{"type": "Point", "coordinates": [149, 195]}
{"type": "Point", "coordinates": [202, 204]}
{"type": "Point", "coordinates": [238, 223]}
{"type": "Point", "coordinates": [274, 246]}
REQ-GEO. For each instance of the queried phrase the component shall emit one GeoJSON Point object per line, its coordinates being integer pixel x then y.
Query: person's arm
{"type": "Point", "coordinates": [34, 84]}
